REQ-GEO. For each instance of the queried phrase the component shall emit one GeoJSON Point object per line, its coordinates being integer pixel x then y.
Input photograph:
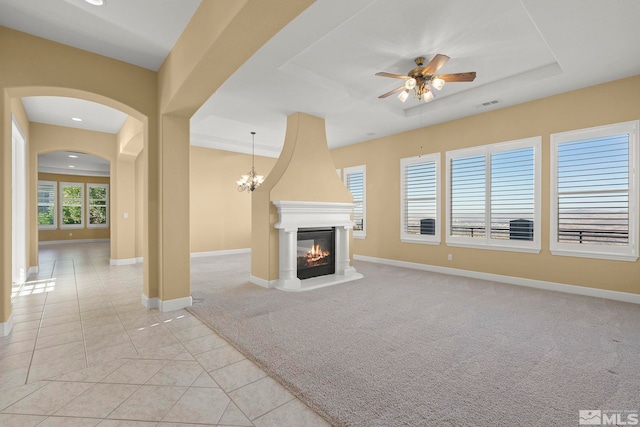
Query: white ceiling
{"type": "Point", "coordinates": [72, 163]}
{"type": "Point", "coordinates": [324, 62]}
{"type": "Point", "coordinates": [60, 111]}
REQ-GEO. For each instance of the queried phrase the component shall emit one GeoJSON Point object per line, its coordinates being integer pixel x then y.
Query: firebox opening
{"type": "Point", "coordinates": [315, 252]}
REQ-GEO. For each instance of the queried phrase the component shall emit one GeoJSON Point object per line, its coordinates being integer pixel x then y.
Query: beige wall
{"type": "Point", "coordinates": [76, 233]}
{"type": "Point", "coordinates": [614, 102]}
{"type": "Point", "coordinates": [125, 214]}
{"type": "Point", "coordinates": [220, 214]}
{"type": "Point", "coordinates": [47, 138]}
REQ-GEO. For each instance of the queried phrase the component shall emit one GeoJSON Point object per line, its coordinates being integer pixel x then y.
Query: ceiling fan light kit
{"type": "Point", "coordinates": [423, 80]}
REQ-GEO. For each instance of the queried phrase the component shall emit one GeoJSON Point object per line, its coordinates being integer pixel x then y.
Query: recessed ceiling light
{"type": "Point", "coordinates": [95, 2]}
{"type": "Point", "coordinates": [71, 166]}
{"type": "Point", "coordinates": [73, 156]}
{"type": "Point", "coordinates": [76, 119]}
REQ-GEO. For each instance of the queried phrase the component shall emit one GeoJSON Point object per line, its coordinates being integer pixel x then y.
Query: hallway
{"type": "Point", "coordinates": [84, 351]}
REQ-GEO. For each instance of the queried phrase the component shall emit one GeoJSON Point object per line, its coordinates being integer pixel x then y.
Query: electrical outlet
{"type": "Point", "coordinates": [450, 257]}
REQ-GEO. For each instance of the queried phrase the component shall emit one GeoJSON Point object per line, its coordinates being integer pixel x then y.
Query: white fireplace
{"type": "Point", "coordinates": [302, 215]}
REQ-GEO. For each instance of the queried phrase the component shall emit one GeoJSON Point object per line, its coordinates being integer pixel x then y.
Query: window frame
{"type": "Point", "coordinates": [62, 205]}
{"type": "Point", "coordinates": [429, 239]}
{"type": "Point", "coordinates": [610, 252]}
{"type": "Point", "coordinates": [54, 186]}
{"type": "Point", "coordinates": [527, 246]}
{"type": "Point", "coordinates": [359, 234]}
{"type": "Point", "coordinates": [88, 207]}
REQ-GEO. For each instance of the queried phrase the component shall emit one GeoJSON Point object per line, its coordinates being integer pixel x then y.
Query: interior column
{"type": "Point", "coordinates": [174, 290]}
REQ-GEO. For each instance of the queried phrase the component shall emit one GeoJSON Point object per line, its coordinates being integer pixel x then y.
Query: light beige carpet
{"type": "Point", "coordinates": [410, 348]}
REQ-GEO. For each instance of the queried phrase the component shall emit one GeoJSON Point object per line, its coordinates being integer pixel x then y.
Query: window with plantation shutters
{"type": "Point", "coordinates": [355, 180]}
{"type": "Point", "coordinates": [420, 199]}
{"type": "Point", "coordinates": [594, 192]}
{"type": "Point", "coordinates": [47, 195]}
{"type": "Point", "coordinates": [468, 196]}
{"type": "Point", "coordinates": [513, 194]}
{"type": "Point", "coordinates": [493, 196]}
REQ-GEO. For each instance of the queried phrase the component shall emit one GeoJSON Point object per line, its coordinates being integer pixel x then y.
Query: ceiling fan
{"type": "Point", "coordinates": [423, 79]}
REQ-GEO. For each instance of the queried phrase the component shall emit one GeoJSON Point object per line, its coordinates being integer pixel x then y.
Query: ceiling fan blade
{"type": "Point", "coordinates": [458, 77]}
{"type": "Point", "coordinates": [391, 92]}
{"type": "Point", "coordinates": [434, 65]}
{"type": "Point", "coordinates": [395, 76]}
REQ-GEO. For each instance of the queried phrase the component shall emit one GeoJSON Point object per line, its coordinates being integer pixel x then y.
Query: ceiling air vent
{"type": "Point", "coordinates": [487, 103]}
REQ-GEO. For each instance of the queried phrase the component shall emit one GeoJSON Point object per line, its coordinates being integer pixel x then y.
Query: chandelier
{"type": "Point", "coordinates": [252, 180]}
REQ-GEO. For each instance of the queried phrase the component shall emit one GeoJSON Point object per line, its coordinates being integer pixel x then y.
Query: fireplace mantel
{"type": "Point", "coordinates": [294, 215]}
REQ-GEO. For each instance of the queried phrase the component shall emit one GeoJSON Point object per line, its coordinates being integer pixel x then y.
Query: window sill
{"type": "Point", "coordinates": [596, 255]}
{"type": "Point", "coordinates": [529, 250]}
{"type": "Point", "coordinates": [419, 241]}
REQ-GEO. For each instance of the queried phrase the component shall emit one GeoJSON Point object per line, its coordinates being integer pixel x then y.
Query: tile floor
{"type": "Point", "coordinates": [85, 352]}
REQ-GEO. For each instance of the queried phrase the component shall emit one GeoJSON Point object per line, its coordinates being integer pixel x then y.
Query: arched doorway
{"type": "Point", "coordinates": [119, 147]}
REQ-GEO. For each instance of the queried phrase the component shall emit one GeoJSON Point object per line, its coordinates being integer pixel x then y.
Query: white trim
{"type": "Point", "coordinates": [629, 252]}
{"type": "Point", "coordinates": [150, 303]}
{"type": "Point", "coordinates": [88, 207]}
{"type": "Point", "coordinates": [140, 260]}
{"type": "Point", "coordinates": [322, 281]}
{"type": "Point", "coordinates": [519, 281]}
{"type": "Point", "coordinates": [61, 206]}
{"type": "Point", "coordinates": [164, 306]}
{"type": "Point", "coordinates": [220, 253]}
{"type": "Point", "coordinates": [61, 242]}
{"type": "Point", "coordinates": [54, 185]}
{"type": "Point", "coordinates": [262, 282]}
{"type": "Point", "coordinates": [294, 215]}
{"type": "Point", "coordinates": [5, 327]}
{"type": "Point", "coordinates": [32, 270]}
{"type": "Point", "coordinates": [122, 261]}
{"type": "Point", "coordinates": [175, 304]}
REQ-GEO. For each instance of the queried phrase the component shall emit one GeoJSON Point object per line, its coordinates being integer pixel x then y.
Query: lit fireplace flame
{"type": "Point", "coordinates": [316, 253]}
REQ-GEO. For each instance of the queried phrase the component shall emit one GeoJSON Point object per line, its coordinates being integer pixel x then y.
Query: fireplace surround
{"type": "Point", "coordinates": [295, 216]}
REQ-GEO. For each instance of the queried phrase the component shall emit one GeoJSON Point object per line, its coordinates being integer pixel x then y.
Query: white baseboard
{"type": "Point", "coordinates": [150, 303]}
{"type": "Point", "coordinates": [262, 282]}
{"type": "Point", "coordinates": [140, 260]}
{"type": "Point", "coordinates": [169, 305]}
{"type": "Point", "coordinates": [122, 261]}
{"type": "Point", "coordinates": [219, 253]}
{"type": "Point", "coordinates": [62, 242]}
{"type": "Point", "coordinates": [175, 304]}
{"type": "Point", "coordinates": [519, 281]}
{"type": "Point", "coordinates": [5, 327]}
{"type": "Point", "coordinates": [32, 270]}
